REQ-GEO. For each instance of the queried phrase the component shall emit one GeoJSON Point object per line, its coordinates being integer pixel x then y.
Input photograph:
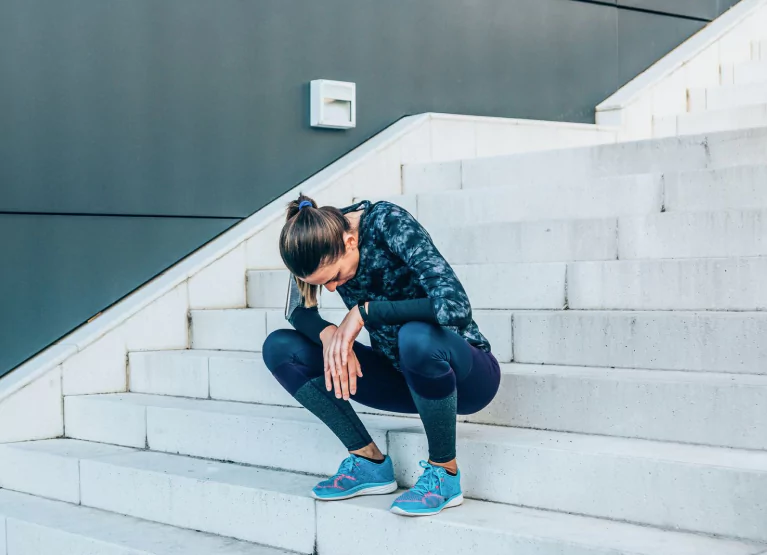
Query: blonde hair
{"type": "Point", "coordinates": [311, 238]}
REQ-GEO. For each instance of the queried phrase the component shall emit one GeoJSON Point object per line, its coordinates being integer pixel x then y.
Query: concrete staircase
{"type": "Point", "coordinates": [738, 102]}
{"type": "Point", "coordinates": [622, 287]}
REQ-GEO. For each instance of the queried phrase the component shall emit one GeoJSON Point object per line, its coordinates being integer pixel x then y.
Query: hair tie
{"type": "Point", "coordinates": [304, 203]}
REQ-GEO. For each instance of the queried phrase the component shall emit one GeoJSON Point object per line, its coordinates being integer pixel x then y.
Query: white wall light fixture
{"type": "Point", "coordinates": [333, 104]}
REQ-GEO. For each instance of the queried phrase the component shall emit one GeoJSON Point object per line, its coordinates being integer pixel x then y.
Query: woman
{"type": "Point", "coordinates": [427, 355]}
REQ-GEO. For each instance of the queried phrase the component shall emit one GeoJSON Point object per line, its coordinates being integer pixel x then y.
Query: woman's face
{"type": "Point", "coordinates": [335, 274]}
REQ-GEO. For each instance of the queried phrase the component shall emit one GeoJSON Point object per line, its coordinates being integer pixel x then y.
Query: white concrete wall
{"type": "Point", "coordinates": [662, 89]}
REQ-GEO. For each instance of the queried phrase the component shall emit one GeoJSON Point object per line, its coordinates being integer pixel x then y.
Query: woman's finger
{"type": "Point", "coordinates": [351, 369]}
{"type": "Point", "coordinates": [337, 384]}
{"type": "Point", "coordinates": [330, 370]}
{"type": "Point", "coordinates": [344, 375]}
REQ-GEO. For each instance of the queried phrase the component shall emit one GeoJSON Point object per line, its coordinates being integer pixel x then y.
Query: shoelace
{"type": "Point", "coordinates": [347, 465]}
{"type": "Point", "coordinates": [428, 480]}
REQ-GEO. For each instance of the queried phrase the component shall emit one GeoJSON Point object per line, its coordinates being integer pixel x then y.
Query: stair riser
{"type": "Point", "coordinates": [661, 493]}
{"type": "Point", "coordinates": [694, 341]}
{"type": "Point", "coordinates": [522, 242]}
{"type": "Point", "coordinates": [689, 341]}
{"type": "Point", "coordinates": [714, 284]}
{"type": "Point", "coordinates": [712, 121]}
{"type": "Point", "coordinates": [215, 331]}
{"type": "Point", "coordinates": [663, 155]}
{"type": "Point", "coordinates": [744, 74]}
{"type": "Point", "coordinates": [693, 235]}
{"type": "Point", "coordinates": [741, 187]}
{"type": "Point", "coordinates": [611, 197]}
{"type": "Point", "coordinates": [700, 284]}
{"type": "Point", "coordinates": [526, 286]}
{"type": "Point", "coordinates": [227, 379]}
{"type": "Point", "coordinates": [244, 513]}
{"type": "Point", "coordinates": [727, 98]}
{"type": "Point", "coordinates": [249, 440]}
{"type": "Point", "coordinates": [613, 405]}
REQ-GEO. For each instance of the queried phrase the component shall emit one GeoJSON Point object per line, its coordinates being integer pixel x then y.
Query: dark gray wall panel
{"type": "Point", "coordinates": [58, 271]}
{"type": "Point", "coordinates": [640, 30]}
{"type": "Point", "coordinates": [705, 9]}
{"type": "Point", "coordinates": [196, 107]}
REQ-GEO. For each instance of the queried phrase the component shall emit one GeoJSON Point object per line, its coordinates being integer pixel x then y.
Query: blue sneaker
{"type": "Point", "coordinates": [434, 491]}
{"type": "Point", "coordinates": [357, 476]}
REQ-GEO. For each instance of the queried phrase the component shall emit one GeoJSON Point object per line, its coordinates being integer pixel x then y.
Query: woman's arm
{"type": "Point", "coordinates": [309, 322]}
{"type": "Point", "coordinates": [447, 303]}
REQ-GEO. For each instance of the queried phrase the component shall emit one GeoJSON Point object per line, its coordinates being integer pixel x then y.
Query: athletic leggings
{"type": "Point", "coordinates": [442, 375]}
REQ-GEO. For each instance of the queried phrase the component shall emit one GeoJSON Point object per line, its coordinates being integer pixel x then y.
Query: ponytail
{"type": "Point", "coordinates": [311, 238]}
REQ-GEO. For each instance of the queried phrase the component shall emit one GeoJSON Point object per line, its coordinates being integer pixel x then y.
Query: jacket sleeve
{"type": "Point", "coordinates": [407, 239]}
{"type": "Point", "coordinates": [309, 322]}
{"type": "Point", "coordinates": [305, 320]}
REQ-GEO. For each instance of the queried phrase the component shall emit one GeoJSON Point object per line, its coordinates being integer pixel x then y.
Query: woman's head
{"type": "Point", "coordinates": [319, 246]}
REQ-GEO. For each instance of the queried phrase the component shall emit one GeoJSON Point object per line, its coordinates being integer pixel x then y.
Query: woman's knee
{"type": "Point", "coordinates": [280, 347]}
{"type": "Point", "coordinates": [418, 343]}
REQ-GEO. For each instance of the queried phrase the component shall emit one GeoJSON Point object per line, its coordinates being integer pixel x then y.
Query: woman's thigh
{"type": "Point", "coordinates": [294, 359]}
{"type": "Point", "coordinates": [438, 361]}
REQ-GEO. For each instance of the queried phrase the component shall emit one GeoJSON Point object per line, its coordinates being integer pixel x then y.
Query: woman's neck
{"type": "Point", "coordinates": [354, 220]}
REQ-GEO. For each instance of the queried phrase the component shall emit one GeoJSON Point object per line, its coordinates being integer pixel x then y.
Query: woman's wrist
{"type": "Point", "coordinates": [327, 333]}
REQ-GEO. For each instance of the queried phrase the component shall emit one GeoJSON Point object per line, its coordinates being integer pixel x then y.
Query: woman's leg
{"type": "Point", "coordinates": [297, 363]}
{"type": "Point", "coordinates": [446, 376]}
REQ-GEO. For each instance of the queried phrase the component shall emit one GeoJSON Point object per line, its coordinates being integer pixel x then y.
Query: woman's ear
{"type": "Point", "coordinates": [350, 241]}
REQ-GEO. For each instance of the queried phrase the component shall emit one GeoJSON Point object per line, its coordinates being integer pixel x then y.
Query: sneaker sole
{"type": "Point", "coordinates": [374, 490]}
{"type": "Point", "coordinates": [454, 502]}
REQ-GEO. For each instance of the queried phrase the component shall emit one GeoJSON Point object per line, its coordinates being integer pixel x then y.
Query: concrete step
{"type": "Point", "coordinates": [726, 97]}
{"type": "Point", "coordinates": [588, 198]}
{"type": "Point", "coordinates": [730, 342]}
{"type": "Point", "coordinates": [654, 340]}
{"type": "Point", "coordinates": [486, 528]}
{"type": "Point", "coordinates": [696, 488]}
{"type": "Point", "coordinates": [724, 410]}
{"type": "Point", "coordinates": [744, 117]}
{"type": "Point", "coordinates": [34, 526]}
{"type": "Point", "coordinates": [511, 243]}
{"type": "Point", "coordinates": [732, 188]}
{"type": "Point", "coordinates": [256, 505]}
{"type": "Point", "coordinates": [246, 329]}
{"type": "Point", "coordinates": [275, 507]}
{"type": "Point", "coordinates": [528, 286]}
{"type": "Point", "coordinates": [238, 432]}
{"type": "Point", "coordinates": [693, 235]}
{"type": "Point", "coordinates": [744, 73]}
{"type": "Point", "coordinates": [705, 151]}
{"type": "Point", "coordinates": [521, 242]}
{"type": "Point", "coordinates": [690, 407]}
{"type": "Point", "coordinates": [218, 375]}
{"type": "Point", "coordinates": [684, 284]}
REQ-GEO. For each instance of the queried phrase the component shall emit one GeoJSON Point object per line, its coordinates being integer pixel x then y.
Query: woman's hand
{"type": "Point", "coordinates": [341, 365]}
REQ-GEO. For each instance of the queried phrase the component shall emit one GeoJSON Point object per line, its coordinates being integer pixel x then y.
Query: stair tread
{"type": "Point", "coordinates": [476, 517]}
{"type": "Point", "coordinates": [61, 521]}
